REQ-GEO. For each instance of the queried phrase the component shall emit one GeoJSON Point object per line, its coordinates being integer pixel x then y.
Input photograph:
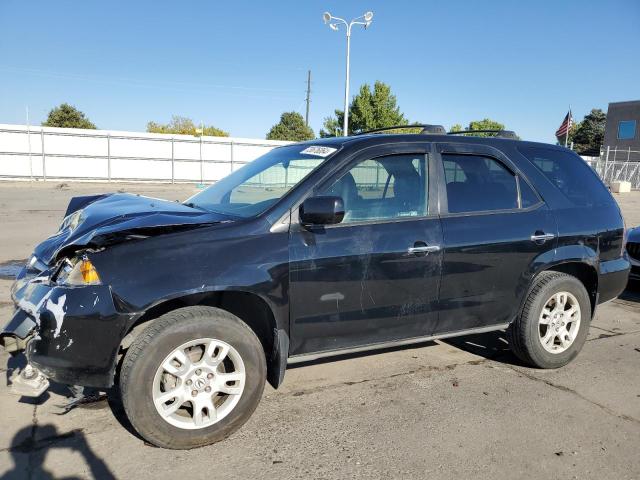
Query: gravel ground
{"type": "Point", "coordinates": [456, 409]}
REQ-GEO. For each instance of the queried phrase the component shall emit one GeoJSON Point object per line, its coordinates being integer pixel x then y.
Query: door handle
{"type": "Point", "coordinates": [423, 248]}
{"type": "Point", "coordinates": [542, 237]}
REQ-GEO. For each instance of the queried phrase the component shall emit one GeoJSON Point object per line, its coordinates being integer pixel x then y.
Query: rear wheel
{"type": "Point", "coordinates": [192, 378]}
{"type": "Point", "coordinates": [554, 323]}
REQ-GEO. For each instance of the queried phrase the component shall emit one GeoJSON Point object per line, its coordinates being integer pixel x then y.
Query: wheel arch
{"type": "Point", "coordinates": [250, 307]}
{"type": "Point", "coordinates": [585, 272]}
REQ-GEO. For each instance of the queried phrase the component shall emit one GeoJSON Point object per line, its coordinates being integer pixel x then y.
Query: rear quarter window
{"type": "Point", "coordinates": [570, 174]}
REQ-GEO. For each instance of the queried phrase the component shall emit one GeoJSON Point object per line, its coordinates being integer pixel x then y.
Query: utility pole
{"type": "Point", "coordinates": [308, 99]}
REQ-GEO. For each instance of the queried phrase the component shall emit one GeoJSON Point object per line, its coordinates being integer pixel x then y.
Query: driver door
{"type": "Point", "coordinates": [374, 277]}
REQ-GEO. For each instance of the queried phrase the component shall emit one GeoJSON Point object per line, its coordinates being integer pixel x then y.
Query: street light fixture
{"type": "Point", "coordinates": [334, 24]}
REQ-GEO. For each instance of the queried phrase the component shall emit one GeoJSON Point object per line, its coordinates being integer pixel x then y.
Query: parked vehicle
{"type": "Point", "coordinates": [315, 249]}
{"type": "Point", "coordinates": [633, 249]}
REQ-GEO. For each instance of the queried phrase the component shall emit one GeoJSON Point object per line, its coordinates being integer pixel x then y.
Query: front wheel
{"type": "Point", "coordinates": [554, 323]}
{"type": "Point", "coordinates": [192, 378]}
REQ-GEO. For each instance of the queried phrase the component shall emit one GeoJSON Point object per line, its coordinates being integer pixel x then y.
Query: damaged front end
{"type": "Point", "coordinates": [69, 332]}
{"type": "Point", "coordinates": [67, 321]}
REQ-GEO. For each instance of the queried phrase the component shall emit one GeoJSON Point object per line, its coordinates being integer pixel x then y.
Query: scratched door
{"type": "Point", "coordinates": [374, 277]}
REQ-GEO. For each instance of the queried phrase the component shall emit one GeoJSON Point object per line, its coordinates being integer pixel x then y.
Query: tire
{"type": "Point", "coordinates": [145, 378]}
{"type": "Point", "coordinates": [528, 335]}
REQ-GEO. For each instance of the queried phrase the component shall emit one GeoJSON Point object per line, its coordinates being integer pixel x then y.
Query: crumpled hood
{"type": "Point", "coordinates": [103, 219]}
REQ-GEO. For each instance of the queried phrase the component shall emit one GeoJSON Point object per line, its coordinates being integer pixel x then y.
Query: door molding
{"type": "Point", "coordinates": [308, 357]}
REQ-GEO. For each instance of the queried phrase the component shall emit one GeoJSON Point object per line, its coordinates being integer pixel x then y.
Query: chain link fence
{"type": "Point", "coordinates": [617, 165]}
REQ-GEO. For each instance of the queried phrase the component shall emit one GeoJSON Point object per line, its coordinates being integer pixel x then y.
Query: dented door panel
{"type": "Point", "coordinates": [355, 285]}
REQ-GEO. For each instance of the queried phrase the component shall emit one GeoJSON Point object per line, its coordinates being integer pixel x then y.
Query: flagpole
{"type": "Point", "coordinates": [566, 137]}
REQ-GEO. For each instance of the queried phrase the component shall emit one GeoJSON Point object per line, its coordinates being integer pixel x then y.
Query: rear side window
{"type": "Point", "coordinates": [476, 183]}
{"type": "Point", "coordinates": [570, 174]}
{"type": "Point", "coordinates": [527, 195]}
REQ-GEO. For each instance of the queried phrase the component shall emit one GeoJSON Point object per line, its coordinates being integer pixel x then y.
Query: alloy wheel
{"type": "Point", "coordinates": [559, 322]}
{"type": "Point", "coordinates": [198, 383]}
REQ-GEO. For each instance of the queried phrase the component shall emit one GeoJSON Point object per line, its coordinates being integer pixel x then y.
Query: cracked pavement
{"type": "Point", "coordinates": [458, 408]}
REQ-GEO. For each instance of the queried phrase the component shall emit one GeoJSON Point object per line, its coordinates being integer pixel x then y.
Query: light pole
{"type": "Point", "coordinates": [334, 23]}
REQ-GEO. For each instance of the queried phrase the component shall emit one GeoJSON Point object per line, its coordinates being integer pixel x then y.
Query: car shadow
{"type": "Point", "coordinates": [494, 345]}
{"type": "Point", "coordinates": [37, 441]}
{"type": "Point", "coordinates": [490, 345]}
{"type": "Point", "coordinates": [632, 292]}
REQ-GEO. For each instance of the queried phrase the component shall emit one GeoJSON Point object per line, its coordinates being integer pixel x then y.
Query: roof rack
{"type": "Point", "coordinates": [426, 129]}
{"type": "Point", "coordinates": [499, 133]}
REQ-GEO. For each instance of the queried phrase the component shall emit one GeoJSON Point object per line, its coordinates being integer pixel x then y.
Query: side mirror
{"type": "Point", "coordinates": [322, 211]}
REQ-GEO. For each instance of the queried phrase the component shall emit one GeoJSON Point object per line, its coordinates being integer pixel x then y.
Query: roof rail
{"type": "Point", "coordinates": [426, 129]}
{"type": "Point", "coordinates": [499, 133]}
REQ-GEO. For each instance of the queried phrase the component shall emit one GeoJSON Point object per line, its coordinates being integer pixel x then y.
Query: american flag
{"type": "Point", "coordinates": [565, 127]}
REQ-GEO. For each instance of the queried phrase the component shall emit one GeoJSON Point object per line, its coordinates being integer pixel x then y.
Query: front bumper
{"type": "Point", "coordinates": [71, 334]}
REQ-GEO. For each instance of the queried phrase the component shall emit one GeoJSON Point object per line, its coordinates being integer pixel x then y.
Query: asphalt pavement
{"type": "Point", "coordinates": [462, 408]}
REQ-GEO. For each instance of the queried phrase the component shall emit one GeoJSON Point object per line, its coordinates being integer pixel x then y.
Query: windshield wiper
{"type": "Point", "coordinates": [210, 210]}
{"type": "Point", "coordinates": [198, 207]}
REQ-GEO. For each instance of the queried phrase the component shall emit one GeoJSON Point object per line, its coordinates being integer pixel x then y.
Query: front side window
{"type": "Point", "coordinates": [382, 188]}
{"type": "Point", "coordinates": [252, 189]}
{"type": "Point", "coordinates": [626, 130]}
{"type": "Point", "coordinates": [477, 183]}
{"type": "Point", "coordinates": [570, 174]}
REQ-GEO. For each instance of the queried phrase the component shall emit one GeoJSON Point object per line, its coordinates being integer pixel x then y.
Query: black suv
{"type": "Point", "coordinates": [315, 249]}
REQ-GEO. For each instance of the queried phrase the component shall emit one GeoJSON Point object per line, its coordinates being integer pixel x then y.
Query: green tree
{"type": "Point", "coordinates": [368, 110]}
{"type": "Point", "coordinates": [587, 136]}
{"type": "Point", "coordinates": [572, 132]}
{"type": "Point", "coordinates": [291, 127]}
{"type": "Point", "coordinates": [67, 116]}
{"type": "Point", "coordinates": [185, 126]}
{"type": "Point", "coordinates": [484, 124]}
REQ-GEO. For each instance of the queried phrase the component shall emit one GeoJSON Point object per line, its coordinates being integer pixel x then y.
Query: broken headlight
{"type": "Point", "coordinates": [78, 271]}
{"type": "Point", "coordinates": [35, 264]}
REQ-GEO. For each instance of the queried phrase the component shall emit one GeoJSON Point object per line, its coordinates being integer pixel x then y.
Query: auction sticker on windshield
{"type": "Point", "coordinates": [319, 151]}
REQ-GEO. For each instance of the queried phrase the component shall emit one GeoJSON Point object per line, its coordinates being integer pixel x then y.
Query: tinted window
{"type": "Point", "coordinates": [626, 129]}
{"type": "Point", "coordinates": [528, 197]}
{"type": "Point", "coordinates": [476, 183]}
{"type": "Point", "coordinates": [383, 188]}
{"type": "Point", "coordinates": [570, 174]}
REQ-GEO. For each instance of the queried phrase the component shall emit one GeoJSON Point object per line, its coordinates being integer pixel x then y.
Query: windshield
{"type": "Point", "coordinates": [252, 189]}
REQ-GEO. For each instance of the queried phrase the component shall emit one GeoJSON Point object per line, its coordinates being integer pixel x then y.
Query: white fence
{"type": "Point", "coordinates": [48, 153]}
{"type": "Point", "coordinates": [618, 165]}
{"type": "Point", "coordinates": [63, 153]}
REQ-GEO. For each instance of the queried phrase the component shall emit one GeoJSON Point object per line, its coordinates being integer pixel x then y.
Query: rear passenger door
{"type": "Point", "coordinates": [495, 228]}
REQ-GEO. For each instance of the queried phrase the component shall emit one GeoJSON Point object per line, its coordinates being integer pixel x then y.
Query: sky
{"type": "Point", "coordinates": [238, 65]}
